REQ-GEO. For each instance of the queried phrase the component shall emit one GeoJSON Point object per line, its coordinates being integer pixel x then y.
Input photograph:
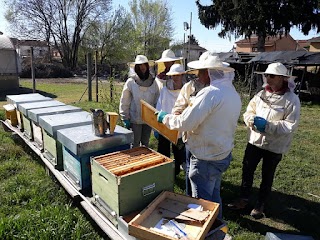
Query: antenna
{"type": "Point", "coordinates": [185, 26]}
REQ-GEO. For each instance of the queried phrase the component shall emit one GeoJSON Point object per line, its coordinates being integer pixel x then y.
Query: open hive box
{"type": "Point", "coordinates": [171, 206]}
{"type": "Point", "coordinates": [129, 180]}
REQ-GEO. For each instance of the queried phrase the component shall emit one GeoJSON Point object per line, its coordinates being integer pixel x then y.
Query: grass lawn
{"type": "Point", "coordinates": [33, 206]}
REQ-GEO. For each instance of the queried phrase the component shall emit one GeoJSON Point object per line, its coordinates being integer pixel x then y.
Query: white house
{"type": "Point", "coordinates": [40, 48]}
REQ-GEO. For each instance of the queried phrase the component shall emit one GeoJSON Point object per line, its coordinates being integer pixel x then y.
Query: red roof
{"type": "Point", "coordinates": [269, 41]}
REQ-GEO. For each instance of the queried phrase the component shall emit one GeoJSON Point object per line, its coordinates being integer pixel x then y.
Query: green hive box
{"type": "Point", "coordinates": [129, 180]}
{"type": "Point", "coordinates": [50, 124]}
{"type": "Point", "coordinates": [25, 108]}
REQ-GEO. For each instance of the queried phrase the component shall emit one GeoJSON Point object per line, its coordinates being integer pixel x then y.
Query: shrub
{"type": "Point", "coordinates": [46, 70]}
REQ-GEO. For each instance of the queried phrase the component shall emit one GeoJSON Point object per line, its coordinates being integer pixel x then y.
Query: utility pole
{"type": "Point", "coordinates": [189, 37]}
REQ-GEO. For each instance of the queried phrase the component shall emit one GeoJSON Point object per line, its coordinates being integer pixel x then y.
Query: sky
{"type": "Point", "coordinates": [184, 11]}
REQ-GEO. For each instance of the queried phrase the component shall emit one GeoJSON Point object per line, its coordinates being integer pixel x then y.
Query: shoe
{"type": "Point", "coordinates": [257, 212]}
{"type": "Point", "coordinates": [238, 204]}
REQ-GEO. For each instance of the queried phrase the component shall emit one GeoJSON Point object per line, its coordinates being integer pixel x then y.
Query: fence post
{"type": "Point", "coordinates": [89, 75]}
{"type": "Point", "coordinates": [111, 85]}
{"type": "Point", "coordinates": [96, 74]}
{"type": "Point", "coordinates": [32, 71]}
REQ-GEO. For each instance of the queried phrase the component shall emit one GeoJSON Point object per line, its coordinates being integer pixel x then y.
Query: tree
{"type": "Point", "coordinates": [263, 18]}
{"type": "Point", "coordinates": [193, 40]}
{"type": "Point", "coordinates": [152, 25]}
{"type": "Point", "coordinates": [63, 22]}
{"type": "Point", "coordinates": [113, 38]}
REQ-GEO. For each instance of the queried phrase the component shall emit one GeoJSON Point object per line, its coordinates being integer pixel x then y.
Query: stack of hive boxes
{"type": "Point", "coordinates": [65, 136]}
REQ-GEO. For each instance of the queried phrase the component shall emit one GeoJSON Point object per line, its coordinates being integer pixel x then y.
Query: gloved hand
{"type": "Point", "coordinates": [260, 123]}
{"type": "Point", "coordinates": [156, 135]}
{"type": "Point", "coordinates": [127, 123]}
{"type": "Point", "coordinates": [160, 115]}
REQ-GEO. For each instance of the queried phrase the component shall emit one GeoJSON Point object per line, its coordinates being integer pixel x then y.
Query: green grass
{"type": "Point", "coordinates": [33, 206]}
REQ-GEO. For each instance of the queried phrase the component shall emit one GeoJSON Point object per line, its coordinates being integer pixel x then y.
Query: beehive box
{"type": "Point", "coordinates": [50, 124]}
{"type": "Point", "coordinates": [169, 205]}
{"type": "Point", "coordinates": [129, 180]}
{"type": "Point", "coordinates": [80, 143]}
{"type": "Point", "coordinates": [34, 115]}
{"type": "Point", "coordinates": [24, 108]}
{"type": "Point", "coordinates": [16, 100]}
{"type": "Point", "coordinates": [217, 231]}
{"type": "Point", "coordinates": [11, 114]}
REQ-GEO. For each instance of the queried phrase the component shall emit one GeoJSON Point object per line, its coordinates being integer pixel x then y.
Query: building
{"type": "Point", "coordinates": [9, 65]}
{"type": "Point", "coordinates": [314, 44]}
{"type": "Point", "coordinates": [195, 52]}
{"type": "Point", "coordinates": [276, 43]}
{"type": "Point", "coordinates": [305, 44]}
{"type": "Point", "coordinates": [40, 48]}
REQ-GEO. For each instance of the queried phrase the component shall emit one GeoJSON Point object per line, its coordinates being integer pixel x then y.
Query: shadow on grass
{"type": "Point", "coordinates": [23, 90]}
{"type": "Point", "coordinates": [282, 211]}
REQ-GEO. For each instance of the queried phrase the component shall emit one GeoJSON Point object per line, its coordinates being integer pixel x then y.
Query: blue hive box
{"type": "Point", "coordinates": [80, 143]}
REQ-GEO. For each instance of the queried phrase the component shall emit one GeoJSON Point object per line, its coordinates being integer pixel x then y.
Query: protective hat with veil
{"type": "Point", "coordinates": [168, 56]}
{"type": "Point", "coordinates": [140, 59]}
{"type": "Point", "coordinates": [176, 69]}
{"type": "Point", "coordinates": [278, 69]}
{"type": "Point", "coordinates": [217, 69]}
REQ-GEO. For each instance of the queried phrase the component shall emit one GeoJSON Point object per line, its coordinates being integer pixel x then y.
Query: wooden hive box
{"type": "Point", "coordinates": [169, 205]}
{"type": "Point", "coordinates": [16, 100]}
{"type": "Point", "coordinates": [80, 143]}
{"type": "Point", "coordinates": [129, 180]}
{"type": "Point", "coordinates": [11, 114]}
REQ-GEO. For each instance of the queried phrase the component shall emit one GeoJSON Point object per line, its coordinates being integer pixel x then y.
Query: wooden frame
{"type": "Point", "coordinates": [149, 117]}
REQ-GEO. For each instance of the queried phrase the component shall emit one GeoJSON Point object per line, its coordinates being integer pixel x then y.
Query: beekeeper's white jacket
{"type": "Point", "coordinates": [211, 119]}
{"type": "Point", "coordinates": [282, 113]}
{"type": "Point", "coordinates": [167, 99]}
{"type": "Point", "coordinates": [133, 91]}
{"type": "Point", "coordinates": [187, 94]}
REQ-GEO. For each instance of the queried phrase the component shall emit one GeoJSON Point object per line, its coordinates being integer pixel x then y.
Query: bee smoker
{"type": "Point", "coordinates": [99, 123]}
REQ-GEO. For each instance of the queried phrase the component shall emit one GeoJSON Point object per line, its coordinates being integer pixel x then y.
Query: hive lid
{"type": "Point", "coordinates": [25, 107]}
{"type": "Point", "coordinates": [52, 123]}
{"type": "Point", "coordinates": [24, 98]}
{"type": "Point", "coordinates": [81, 140]}
{"type": "Point", "coordinates": [34, 114]}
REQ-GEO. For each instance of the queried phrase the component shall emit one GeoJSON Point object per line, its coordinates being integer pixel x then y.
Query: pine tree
{"type": "Point", "coordinates": [262, 18]}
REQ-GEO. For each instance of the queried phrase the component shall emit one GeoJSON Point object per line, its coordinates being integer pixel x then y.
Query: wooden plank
{"type": "Point", "coordinates": [149, 117]}
{"type": "Point", "coordinates": [136, 168]}
{"type": "Point", "coordinates": [181, 209]}
{"type": "Point", "coordinates": [137, 163]}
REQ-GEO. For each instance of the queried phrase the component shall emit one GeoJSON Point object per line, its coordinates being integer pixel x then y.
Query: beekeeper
{"type": "Point", "coordinates": [140, 85]}
{"type": "Point", "coordinates": [168, 58]}
{"type": "Point", "coordinates": [211, 120]}
{"type": "Point", "coordinates": [272, 116]}
{"type": "Point", "coordinates": [166, 101]}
